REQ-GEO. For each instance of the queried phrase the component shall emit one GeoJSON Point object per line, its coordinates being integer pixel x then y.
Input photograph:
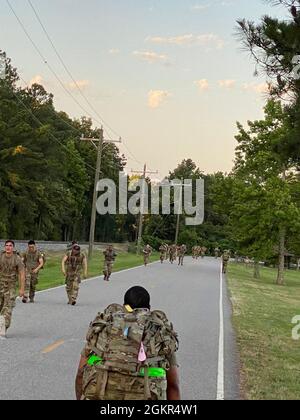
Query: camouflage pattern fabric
{"type": "Point", "coordinates": [73, 279]}
{"type": "Point", "coordinates": [31, 262]}
{"type": "Point", "coordinates": [116, 336]}
{"type": "Point", "coordinates": [9, 270]}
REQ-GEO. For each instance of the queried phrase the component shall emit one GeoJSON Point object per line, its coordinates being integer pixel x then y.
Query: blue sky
{"type": "Point", "coordinates": [169, 76]}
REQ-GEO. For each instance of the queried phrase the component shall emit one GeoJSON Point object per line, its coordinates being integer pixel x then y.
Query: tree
{"type": "Point", "coordinates": [275, 46]}
{"type": "Point", "coordinates": [265, 212]}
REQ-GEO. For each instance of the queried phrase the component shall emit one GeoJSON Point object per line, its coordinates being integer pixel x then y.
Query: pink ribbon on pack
{"type": "Point", "coordinates": [142, 354]}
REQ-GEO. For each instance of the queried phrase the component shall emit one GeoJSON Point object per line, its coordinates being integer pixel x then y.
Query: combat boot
{"type": "Point", "coordinates": [2, 327]}
{"type": "Point", "coordinates": [24, 300]}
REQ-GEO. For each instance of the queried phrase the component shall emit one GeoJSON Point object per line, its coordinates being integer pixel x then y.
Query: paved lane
{"type": "Point", "coordinates": [40, 356]}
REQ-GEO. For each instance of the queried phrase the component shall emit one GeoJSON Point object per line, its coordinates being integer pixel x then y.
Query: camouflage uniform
{"type": "Point", "coordinates": [173, 252]}
{"type": "Point", "coordinates": [115, 337]}
{"type": "Point", "coordinates": [181, 254]}
{"type": "Point", "coordinates": [73, 279]}
{"type": "Point", "coordinates": [163, 253]}
{"type": "Point", "coordinates": [147, 252]}
{"type": "Point", "coordinates": [225, 259]}
{"type": "Point", "coordinates": [109, 258]}
{"type": "Point", "coordinates": [10, 267]}
{"type": "Point", "coordinates": [31, 261]}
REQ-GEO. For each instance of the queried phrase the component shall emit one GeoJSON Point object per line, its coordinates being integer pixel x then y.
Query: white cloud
{"type": "Point", "coordinates": [151, 57]}
{"type": "Point", "coordinates": [36, 79]}
{"type": "Point", "coordinates": [202, 84]}
{"type": "Point", "coordinates": [113, 51]}
{"type": "Point", "coordinates": [79, 83]}
{"type": "Point", "coordinates": [156, 98]}
{"type": "Point", "coordinates": [256, 87]}
{"type": "Point", "coordinates": [206, 40]}
{"type": "Point", "coordinates": [227, 84]}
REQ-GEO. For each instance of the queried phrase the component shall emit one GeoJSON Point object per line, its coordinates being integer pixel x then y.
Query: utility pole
{"type": "Point", "coordinates": [180, 206]}
{"type": "Point", "coordinates": [99, 148]}
{"type": "Point", "coordinates": [178, 215]}
{"type": "Point", "coordinates": [144, 172]}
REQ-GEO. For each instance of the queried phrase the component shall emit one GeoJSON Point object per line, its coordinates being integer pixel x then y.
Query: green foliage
{"type": "Point", "coordinates": [46, 173]}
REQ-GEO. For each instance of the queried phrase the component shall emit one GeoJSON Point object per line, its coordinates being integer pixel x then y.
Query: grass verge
{"type": "Point", "coordinates": [262, 316]}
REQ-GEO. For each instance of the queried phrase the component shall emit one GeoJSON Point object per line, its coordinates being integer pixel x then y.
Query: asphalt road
{"type": "Point", "coordinates": [39, 358]}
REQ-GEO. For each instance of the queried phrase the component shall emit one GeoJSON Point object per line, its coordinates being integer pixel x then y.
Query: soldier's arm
{"type": "Point", "coordinates": [79, 377]}
{"type": "Point", "coordinates": [41, 263]}
{"type": "Point", "coordinates": [85, 267]}
{"type": "Point", "coordinates": [21, 280]}
{"type": "Point", "coordinates": [63, 268]}
{"type": "Point", "coordinates": [173, 391]}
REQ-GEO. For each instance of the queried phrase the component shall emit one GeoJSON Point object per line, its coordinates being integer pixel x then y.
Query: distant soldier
{"type": "Point", "coordinates": [181, 254]}
{"type": "Point", "coordinates": [194, 252]}
{"type": "Point", "coordinates": [203, 250]}
{"type": "Point", "coordinates": [163, 252]}
{"type": "Point", "coordinates": [11, 267]}
{"type": "Point", "coordinates": [172, 253]}
{"type": "Point", "coordinates": [109, 259]}
{"type": "Point", "coordinates": [247, 261]}
{"type": "Point", "coordinates": [33, 261]}
{"type": "Point", "coordinates": [147, 251]}
{"type": "Point", "coordinates": [225, 259]}
{"type": "Point", "coordinates": [72, 265]}
{"type": "Point", "coordinates": [217, 252]}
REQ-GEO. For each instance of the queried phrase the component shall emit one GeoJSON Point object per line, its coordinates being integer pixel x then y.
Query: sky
{"type": "Point", "coordinates": [168, 76]}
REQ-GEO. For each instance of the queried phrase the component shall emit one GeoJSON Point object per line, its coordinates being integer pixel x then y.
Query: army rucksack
{"type": "Point", "coordinates": [130, 354]}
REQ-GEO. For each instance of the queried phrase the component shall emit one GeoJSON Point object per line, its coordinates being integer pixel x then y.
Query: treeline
{"type": "Point", "coordinates": [46, 172]}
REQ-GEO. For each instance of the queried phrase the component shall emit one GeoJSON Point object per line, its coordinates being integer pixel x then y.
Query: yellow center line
{"type": "Point", "coordinates": [53, 346]}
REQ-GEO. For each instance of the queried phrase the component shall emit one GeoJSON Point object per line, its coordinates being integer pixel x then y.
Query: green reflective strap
{"type": "Point", "coordinates": [94, 360]}
{"type": "Point", "coordinates": [154, 372]}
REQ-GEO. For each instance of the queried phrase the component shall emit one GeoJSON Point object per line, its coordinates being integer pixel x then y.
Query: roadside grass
{"type": "Point", "coordinates": [262, 316]}
{"type": "Point", "coordinates": [51, 275]}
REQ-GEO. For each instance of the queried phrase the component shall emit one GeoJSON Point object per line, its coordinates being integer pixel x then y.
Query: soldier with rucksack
{"type": "Point", "coordinates": [109, 259]}
{"type": "Point", "coordinates": [72, 265]}
{"type": "Point", "coordinates": [225, 259]}
{"type": "Point", "coordinates": [33, 261]}
{"type": "Point", "coordinates": [181, 253]}
{"type": "Point", "coordinates": [11, 268]}
{"type": "Point", "coordinates": [147, 251]}
{"type": "Point", "coordinates": [129, 353]}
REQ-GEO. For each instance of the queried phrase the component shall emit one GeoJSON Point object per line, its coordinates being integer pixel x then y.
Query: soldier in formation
{"type": "Point", "coordinates": [163, 249]}
{"type": "Point", "coordinates": [109, 259]}
{"type": "Point", "coordinates": [147, 251]}
{"type": "Point", "coordinates": [181, 253]}
{"type": "Point", "coordinates": [73, 263]}
{"type": "Point", "coordinates": [33, 261]}
{"type": "Point", "coordinates": [130, 353]}
{"type": "Point", "coordinates": [11, 269]}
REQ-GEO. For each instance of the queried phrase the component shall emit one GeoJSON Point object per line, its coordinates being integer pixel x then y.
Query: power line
{"type": "Point", "coordinates": [41, 125]}
{"type": "Point", "coordinates": [69, 72]}
{"type": "Point", "coordinates": [101, 121]}
{"type": "Point", "coordinates": [48, 65]}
